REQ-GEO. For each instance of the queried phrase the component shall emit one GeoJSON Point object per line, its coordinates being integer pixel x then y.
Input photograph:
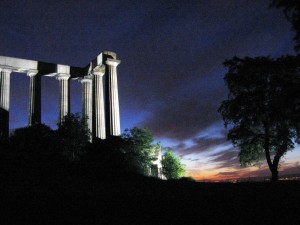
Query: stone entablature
{"type": "Point", "coordinates": [101, 110]}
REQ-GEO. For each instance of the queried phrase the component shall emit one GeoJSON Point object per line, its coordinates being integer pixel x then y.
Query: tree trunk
{"type": "Point", "coordinates": [267, 153]}
{"type": "Point", "coordinates": [274, 174]}
{"type": "Point", "coordinates": [275, 166]}
{"type": "Point", "coordinates": [276, 160]}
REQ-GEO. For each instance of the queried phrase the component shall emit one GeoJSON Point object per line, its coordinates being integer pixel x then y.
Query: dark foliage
{"type": "Point", "coordinates": [263, 108]}
{"type": "Point", "coordinates": [73, 137]}
{"type": "Point", "coordinates": [40, 150]}
{"type": "Point", "coordinates": [32, 145]}
{"type": "Point", "coordinates": [107, 157]}
{"type": "Point", "coordinates": [139, 149]}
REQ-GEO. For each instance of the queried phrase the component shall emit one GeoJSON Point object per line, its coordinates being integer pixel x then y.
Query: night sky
{"type": "Point", "coordinates": [171, 74]}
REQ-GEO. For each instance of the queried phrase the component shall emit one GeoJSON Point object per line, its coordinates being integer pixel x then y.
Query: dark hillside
{"type": "Point", "coordinates": [42, 184]}
{"type": "Point", "coordinates": [76, 195]}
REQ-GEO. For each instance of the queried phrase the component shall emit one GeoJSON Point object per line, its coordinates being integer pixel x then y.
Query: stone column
{"type": "Point", "coordinates": [34, 98]}
{"type": "Point", "coordinates": [99, 103]}
{"type": "Point", "coordinates": [4, 101]}
{"type": "Point", "coordinates": [87, 101]}
{"type": "Point", "coordinates": [64, 99]}
{"type": "Point", "coordinates": [113, 98]}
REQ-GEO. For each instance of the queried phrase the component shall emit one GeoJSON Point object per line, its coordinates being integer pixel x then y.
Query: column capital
{"type": "Point", "coordinates": [113, 62]}
{"type": "Point", "coordinates": [99, 70]}
{"type": "Point", "coordinates": [63, 76]}
{"type": "Point", "coordinates": [86, 79]}
{"type": "Point", "coordinates": [5, 69]}
{"type": "Point", "coordinates": [32, 73]}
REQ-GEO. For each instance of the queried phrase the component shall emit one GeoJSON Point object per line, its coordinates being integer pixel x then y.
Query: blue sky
{"type": "Point", "coordinates": [171, 75]}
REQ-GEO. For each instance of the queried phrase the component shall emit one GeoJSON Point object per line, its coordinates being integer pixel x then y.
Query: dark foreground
{"type": "Point", "coordinates": [78, 197]}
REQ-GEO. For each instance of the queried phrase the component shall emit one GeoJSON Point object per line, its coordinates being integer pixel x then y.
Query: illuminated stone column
{"type": "Point", "coordinates": [64, 99]}
{"type": "Point", "coordinates": [4, 101]}
{"type": "Point", "coordinates": [113, 98]}
{"type": "Point", "coordinates": [87, 100]}
{"type": "Point", "coordinates": [99, 103]}
{"type": "Point", "coordinates": [34, 98]}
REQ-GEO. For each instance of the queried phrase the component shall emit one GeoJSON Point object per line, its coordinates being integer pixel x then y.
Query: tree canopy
{"type": "Point", "coordinates": [139, 149]}
{"type": "Point", "coordinates": [263, 108]}
{"type": "Point", "coordinates": [35, 138]}
{"type": "Point", "coordinates": [133, 152]}
{"type": "Point", "coordinates": [32, 145]}
{"type": "Point", "coordinates": [73, 135]}
{"type": "Point", "coordinates": [172, 168]}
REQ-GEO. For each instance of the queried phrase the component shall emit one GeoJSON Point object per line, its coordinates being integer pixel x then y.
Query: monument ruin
{"type": "Point", "coordinates": [100, 100]}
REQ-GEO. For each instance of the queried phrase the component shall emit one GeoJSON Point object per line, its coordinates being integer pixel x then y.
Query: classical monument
{"type": "Point", "coordinates": [100, 100]}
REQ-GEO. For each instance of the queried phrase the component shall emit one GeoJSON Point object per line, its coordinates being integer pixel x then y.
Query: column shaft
{"type": "Point", "coordinates": [87, 101]}
{"type": "Point", "coordinates": [4, 102]}
{"type": "Point", "coordinates": [34, 99]}
{"type": "Point", "coordinates": [113, 98]}
{"type": "Point", "coordinates": [99, 106]}
{"type": "Point", "coordinates": [64, 100]}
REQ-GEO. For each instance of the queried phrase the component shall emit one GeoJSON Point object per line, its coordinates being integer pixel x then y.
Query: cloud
{"type": "Point", "coordinates": [183, 120]}
{"type": "Point", "coordinates": [181, 84]}
{"type": "Point", "coordinates": [228, 174]}
{"type": "Point", "coordinates": [192, 159]}
{"type": "Point", "coordinates": [226, 159]}
{"type": "Point", "coordinates": [213, 140]}
{"type": "Point", "coordinates": [290, 170]}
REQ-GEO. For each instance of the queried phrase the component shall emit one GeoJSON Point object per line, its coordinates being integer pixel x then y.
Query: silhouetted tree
{"type": "Point", "coordinates": [139, 149]}
{"type": "Point", "coordinates": [73, 136]}
{"type": "Point", "coordinates": [291, 10]}
{"type": "Point", "coordinates": [107, 157]}
{"type": "Point", "coordinates": [3, 142]}
{"type": "Point", "coordinates": [263, 108]}
{"type": "Point", "coordinates": [32, 138]}
{"type": "Point", "coordinates": [172, 168]}
{"type": "Point", "coordinates": [32, 145]}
